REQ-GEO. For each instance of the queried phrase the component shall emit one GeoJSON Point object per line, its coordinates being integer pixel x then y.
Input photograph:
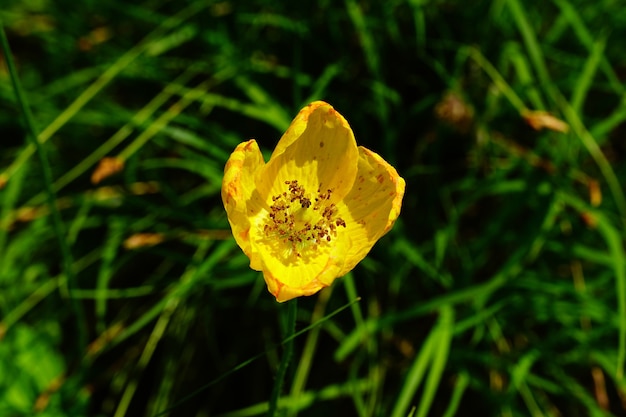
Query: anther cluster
{"type": "Point", "coordinates": [300, 223]}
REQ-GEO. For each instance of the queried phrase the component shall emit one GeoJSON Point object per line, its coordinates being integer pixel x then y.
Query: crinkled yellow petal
{"type": "Point", "coordinates": [241, 200]}
{"type": "Point", "coordinates": [318, 150]}
{"type": "Point", "coordinates": [298, 125]}
{"type": "Point", "coordinates": [306, 277]}
{"type": "Point", "coordinates": [371, 207]}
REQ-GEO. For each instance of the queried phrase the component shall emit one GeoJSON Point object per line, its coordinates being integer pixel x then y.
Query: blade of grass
{"type": "Point", "coordinates": [179, 329]}
{"type": "Point", "coordinates": [602, 128]}
{"type": "Point", "coordinates": [257, 357]}
{"type": "Point", "coordinates": [155, 127]}
{"type": "Point", "coordinates": [323, 81]}
{"type": "Point", "coordinates": [305, 399]}
{"type": "Point", "coordinates": [415, 374]}
{"type": "Point", "coordinates": [519, 374]}
{"type": "Point", "coordinates": [520, 62]}
{"type": "Point", "coordinates": [107, 76]}
{"type": "Point", "coordinates": [598, 156]}
{"type": "Point", "coordinates": [47, 288]}
{"type": "Point", "coordinates": [434, 352]}
{"type": "Point", "coordinates": [585, 79]}
{"type": "Point", "coordinates": [57, 221]}
{"type": "Point", "coordinates": [7, 216]}
{"type": "Point", "coordinates": [575, 123]}
{"type": "Point", "coordinates": [532, 45]}
{"type": "Point", "coordinates": [357, 314]}
{"type": "Point", "coordinates": [262, 98]}
{"type": "Point", "coordinates": [188, 278]}
{"type": "Point", "coordinates": [178, 290]}
{"type": "Point", "coordinates": [365, 37]}
{"type": "Point", "coordinates": [292, 312]}
{"type": "Point", "coordinates": [371, 346]}
{"type": "Point", "coordinates": [111, 293]}
{"type": "Point", "coordinates": [480, 292]}
{"type": "Point", "coordinates": [579, 392]}
{"type": "Point", "coordinates": [109, 252]}
{"type": "Point", "coordinates": [439, 360]}
{"type": "Point", "coordinates": [306, 359]}
{"type": "Point", "coordinates": [569, 12]}
{"type": "Point", "coordinates": [460, 386]}
{"type": "Point", "coordinates": [140, 118]}
{"type": "Point", "coordinates": [498, 80]}
{"type": "Point", "coordinates": [419, 21]}
{"type": "Point", "coordinates": [372, 59]}
{"type": "Point", "coordinates": [272, 116]}
{"type": "Point", "coordinates": [613, 239]}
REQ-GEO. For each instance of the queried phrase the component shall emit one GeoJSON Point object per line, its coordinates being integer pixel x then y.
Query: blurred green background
{"type": "Point", "coordinates": [501, 290]}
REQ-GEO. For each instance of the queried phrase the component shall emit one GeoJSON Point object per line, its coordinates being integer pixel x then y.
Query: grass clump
{"type": "Point", "coordinates": [500, 291]}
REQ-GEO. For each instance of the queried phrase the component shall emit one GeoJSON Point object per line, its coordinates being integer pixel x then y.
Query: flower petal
{"type": "Point", "coordinates": [294, 285]}
{"type": "Point", "coordinates": [318, 150]}
{"type": "Point", "coordinates": [371, 207]}
{"type": "Point", "coordinates": [289, 276]}
{"type": "Point", "coordinates": [286, 282]}
{"type": "Point", "coordinates": [241, 200]}
{"type": "Point", "coordinates": [298, 125]}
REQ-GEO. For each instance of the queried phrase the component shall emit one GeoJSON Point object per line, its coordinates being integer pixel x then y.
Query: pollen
{"type": "Point", "coordinates": [302, 222]}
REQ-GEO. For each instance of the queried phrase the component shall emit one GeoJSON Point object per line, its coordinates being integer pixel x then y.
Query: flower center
{"type": "Point", "coordinates": [301, 223]}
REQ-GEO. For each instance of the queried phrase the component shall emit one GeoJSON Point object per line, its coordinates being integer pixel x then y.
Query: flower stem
{"type": "Point", "coordinates": [292, 306]}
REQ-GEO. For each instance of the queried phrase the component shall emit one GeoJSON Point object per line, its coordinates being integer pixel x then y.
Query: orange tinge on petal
{"type": "Point", "coordinates": [351, 192]}
{"type": "Point", "coordinates": [372, 206]}
{"type": "Point", "coordinates": [239, 194]}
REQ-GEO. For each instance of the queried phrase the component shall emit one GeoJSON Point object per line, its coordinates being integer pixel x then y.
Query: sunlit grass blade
{"type": "Point", "coordinates": [318, 89]}
{"type": "Point", "coordinates": [51, 285]}
{"type": "Point", "coordinates": [439, 360]}
{"type": "Point", "coordinates": [613, 239]}
{"type": "Point", "coordinates": [526, 76]}
{"type": "Point", "coordinates": [306, 399]}
{"type": "Point", "coordinates": [532, 45]}
{"type": "Point", "coordinates": [139, 119]}
{"type": "Point", "coordinates": [107, 76]}
{"type": "Point", "coordinates": [585, 35]}
{"type": "Point", "coordinates": [285, 361]}
{"type": "Point", "coordinates": [585, 79]}
{"type": "Point", "coordinates": [598, 156]}
{"type": "Point", "coordinates": [46, 170]}
{"type": "Point", "coordinates": [497, 78]}
{"type": "Point", "coordinates": [305, 362]}
{"type": "Point", "coordinates": [7, 212]}
{"type": "Point", "coordinates": [460, 386]}
{"type": "Point", "coordinates": [105, 273]}
{"type": "Point", "coordinates": [433, 355]}
{"type": "Point", "coordinates": [247, 362]}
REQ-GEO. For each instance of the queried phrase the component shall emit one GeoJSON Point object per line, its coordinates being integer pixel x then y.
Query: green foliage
{"type": "Point", "coordinates": [501, 290]}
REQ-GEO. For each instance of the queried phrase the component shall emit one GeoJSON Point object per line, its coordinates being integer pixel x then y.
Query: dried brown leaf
{"type": "Point", "coordinates": [539, 120]}
{"type": "Point", "coordinates": [139, 240]}
{"type": "Point", "coordinates": [108, 166]}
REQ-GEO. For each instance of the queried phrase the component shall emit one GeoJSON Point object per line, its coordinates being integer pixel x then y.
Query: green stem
{"type": "Point", "coordinates": [287, 354]}
{"type": "Point", "coordinates": [57, 222]}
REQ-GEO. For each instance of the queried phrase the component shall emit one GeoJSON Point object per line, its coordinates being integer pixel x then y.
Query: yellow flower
{"type": "Point", "coordinates": [315, 210]}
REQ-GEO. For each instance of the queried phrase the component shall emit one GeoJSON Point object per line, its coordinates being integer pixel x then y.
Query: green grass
{"type": "Point", "coordinates": [500, 291]}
